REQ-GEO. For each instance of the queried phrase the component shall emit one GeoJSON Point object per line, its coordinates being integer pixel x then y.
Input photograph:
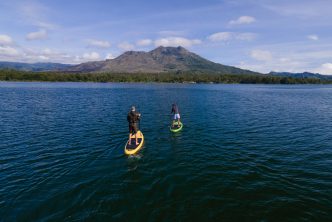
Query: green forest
{"type": "Point", "coordinates": [179, 77]}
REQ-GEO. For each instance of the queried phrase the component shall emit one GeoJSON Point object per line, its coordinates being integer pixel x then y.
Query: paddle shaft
{"type": "Point", "coordinates": [139, 120]}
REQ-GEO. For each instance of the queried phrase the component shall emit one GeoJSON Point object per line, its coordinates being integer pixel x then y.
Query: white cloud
{"type": "Point", "coordinates": [325, 68]}
{"type": "Point", "coordinates": [177, 41]}
{"type": "Point", "coordinates": [18, 53]}
{"type": "Point", "coordinates": [47, 51]}
{"type": "Point", "coordinates": [246, 36]}
{"type": "Point", "coordinates": [306, 9]}
{"type": "Point", "coordinates": [99, 43]}
{"type": "Point", "coordinates": [5, 40]}
{"type": "Point", "coordinates": [39, 35]}
{"type": "Point", "coordinates": [220, 36]}
{"type": "Point", "coordinates": [46, 25]}
{"type": "Point", "coordinates": [42, 57]}
{"type": "Point", "coordinates": [91, 56]}
{"type": "Point", "coordinates": [144, 42]}
{"type": "Point", "coordinates": [109, 56]}
{"type": "Point", "coordinates": [242, 20]}
{"type": "Point", "coordinates": [227, 36]}
{"type": "Point", "coordinates": [8, 51]}
{"type": "Point", "coordinates": [297, 56]}
{"type": "Point", "coordinates": [290, 57]}
{"type": "Point", "coordinates": [36, 14]}
{"type": "Point", "coordinates": [126, 46]}
{"type": "Point", "coordinates": [261, 55]}
{"type": "Point", "coordinates": [313, 37]}
{"type": "Point", "coordinates": [275, 64]}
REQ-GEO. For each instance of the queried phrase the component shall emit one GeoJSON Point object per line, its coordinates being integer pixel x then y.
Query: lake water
{"type": "Point", "coordinates": [246, 153]}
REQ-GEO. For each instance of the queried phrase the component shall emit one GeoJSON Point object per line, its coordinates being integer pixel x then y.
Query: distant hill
{"type": "Point", "coordinates": [35, 67]}
{"type": "Point", "coordinates": [159, 60]}
{"type": "Point", "coordinates": [305, 75]}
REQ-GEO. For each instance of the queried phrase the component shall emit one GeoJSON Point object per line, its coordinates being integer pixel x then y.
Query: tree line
{"type": "Point", "coordinates": [179, 77]}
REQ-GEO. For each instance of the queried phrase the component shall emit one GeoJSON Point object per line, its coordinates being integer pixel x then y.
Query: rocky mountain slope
{"type": "Point", "coordinates": [161, 59]}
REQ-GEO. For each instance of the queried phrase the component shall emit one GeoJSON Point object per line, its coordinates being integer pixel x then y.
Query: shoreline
{"type": "Point", "coordinates": [182, 83]}
{"type": "Point", "coordinates": [183, 78]}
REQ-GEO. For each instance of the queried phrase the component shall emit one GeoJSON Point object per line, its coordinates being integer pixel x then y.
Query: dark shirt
{"type": "Point", "coordinates": [133, 117]}
{"type": "Point", "coordinates": [175, 109]}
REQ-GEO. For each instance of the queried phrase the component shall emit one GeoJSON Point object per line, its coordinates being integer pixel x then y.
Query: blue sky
{"type": "Point", "coordinates": [260, 35]}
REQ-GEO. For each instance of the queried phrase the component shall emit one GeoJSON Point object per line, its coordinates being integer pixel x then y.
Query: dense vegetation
{"type": "Point", "coordinates": [13, 75]}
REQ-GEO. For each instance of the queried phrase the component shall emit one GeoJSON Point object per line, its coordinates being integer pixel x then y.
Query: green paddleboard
{"type": "Point", "coordinates": [176, 127]}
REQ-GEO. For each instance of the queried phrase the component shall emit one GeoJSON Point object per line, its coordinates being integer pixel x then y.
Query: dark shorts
{"type": "Point", "coordinates": [133, 128]}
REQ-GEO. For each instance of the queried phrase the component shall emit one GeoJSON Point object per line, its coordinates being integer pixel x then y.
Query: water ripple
{"type": "Point", "coordinates": [246, 152]}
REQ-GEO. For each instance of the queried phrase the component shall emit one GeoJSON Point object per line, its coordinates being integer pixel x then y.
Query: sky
{"type": "Point", "coordinates": [260, 35]}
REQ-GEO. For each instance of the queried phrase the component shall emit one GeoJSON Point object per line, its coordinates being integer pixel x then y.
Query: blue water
{"type": "Point", "coordinates": [246, 153]}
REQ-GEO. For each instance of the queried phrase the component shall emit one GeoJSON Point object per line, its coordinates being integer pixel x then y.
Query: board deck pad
{"type": "Point", "coordinates": [176, 126]}
{"type": "Point", "coordinates": [133, 148]}
{"type": "Point", "coordinates": [133, 143]}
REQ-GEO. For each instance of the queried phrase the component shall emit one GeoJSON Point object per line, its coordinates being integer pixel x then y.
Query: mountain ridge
{"type": "Point", "coordinates": [159, 60]}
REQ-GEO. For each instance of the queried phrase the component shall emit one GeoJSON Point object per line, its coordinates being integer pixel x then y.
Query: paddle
{"type": "Point", "coordinates": [139, 120]}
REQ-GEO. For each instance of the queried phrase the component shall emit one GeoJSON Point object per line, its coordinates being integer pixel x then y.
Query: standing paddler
{"type": "Point", "coordinates": [133, 117]}
{"type": "Point", "coordinates": [176, 114]}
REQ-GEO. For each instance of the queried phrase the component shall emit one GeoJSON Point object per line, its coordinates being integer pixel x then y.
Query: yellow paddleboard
{"type": "Point", "coordinates": [133, 148]}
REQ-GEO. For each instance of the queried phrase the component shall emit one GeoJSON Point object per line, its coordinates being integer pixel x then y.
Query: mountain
{"type": "Point", "coordinates": [159, 60]}
{"type": "Point", "coordinates": [35, 67]}
{"type": "Point", "coordinates": [305, 75]}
